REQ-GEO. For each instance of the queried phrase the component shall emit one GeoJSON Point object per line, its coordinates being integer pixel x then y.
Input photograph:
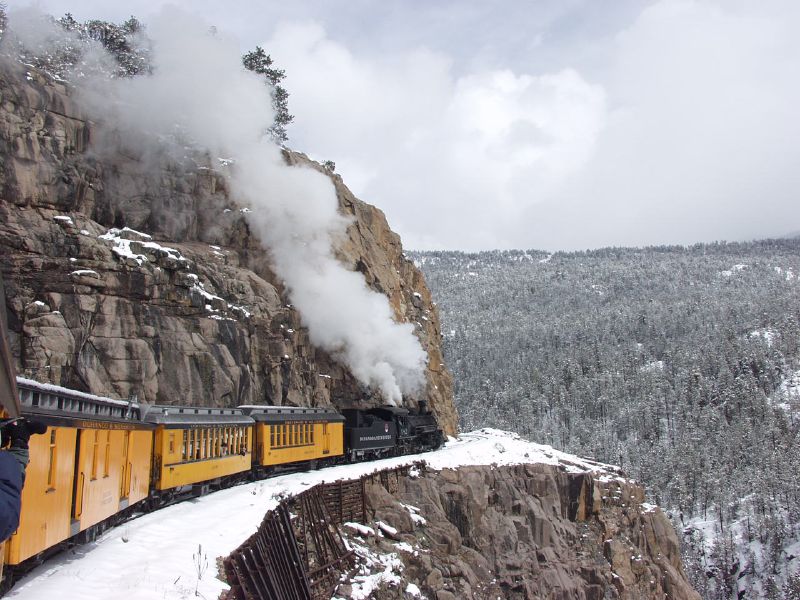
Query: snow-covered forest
{"type": "Point", "coordinates": [680, 364]}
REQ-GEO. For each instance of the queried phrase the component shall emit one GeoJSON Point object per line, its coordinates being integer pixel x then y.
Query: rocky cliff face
{"type": "Point", "coordinates": [523, 531]}
{"type": "Point", "coordinates": [138, 274]}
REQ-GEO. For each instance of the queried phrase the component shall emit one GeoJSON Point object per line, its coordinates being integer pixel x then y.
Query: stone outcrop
{"type": "Point", "coordinates": [188, 313]}
{"type": "Point", "coordinates": [527, 531]}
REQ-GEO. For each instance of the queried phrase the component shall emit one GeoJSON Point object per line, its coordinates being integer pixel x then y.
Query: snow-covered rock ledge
{"type": "Point", "coordinates": [498, 517]}
{"type": "Point", "coordinates": [489, 515]}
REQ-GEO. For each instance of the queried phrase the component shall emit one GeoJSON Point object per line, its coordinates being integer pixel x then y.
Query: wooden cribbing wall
{"type": "Point", "coordinates": [298, 552]}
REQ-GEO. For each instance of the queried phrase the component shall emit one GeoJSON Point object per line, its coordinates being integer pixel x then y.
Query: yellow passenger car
{"type": "Point", "coordinates": [198, 445]}
{"type": "Point", "coordinates": [287, 434]}
{"type": "Point", "coordinates": [91, 463]}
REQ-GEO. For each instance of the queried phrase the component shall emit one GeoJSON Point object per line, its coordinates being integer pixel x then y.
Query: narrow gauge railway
{"type": "Point", "coordinates": [101, 460]}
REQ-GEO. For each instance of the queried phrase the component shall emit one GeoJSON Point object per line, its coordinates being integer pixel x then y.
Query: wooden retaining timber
{"type": "Point", "coordinates": [345, 500]}
{"type": "Point", "coordinates": [268, 565]}
{"type": "Point", "coordinates": [321, 545]}
{"type": "Point", "coordinates": [298, 552]}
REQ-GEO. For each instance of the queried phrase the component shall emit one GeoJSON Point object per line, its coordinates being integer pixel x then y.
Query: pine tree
{"type": "Point", "coordinates": [791, 590]}
{"type": "Point", "coordinates": [260, 62]}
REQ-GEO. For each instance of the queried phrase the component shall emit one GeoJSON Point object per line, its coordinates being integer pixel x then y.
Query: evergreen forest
{"type": "Point", "coordinates": [680, 364]}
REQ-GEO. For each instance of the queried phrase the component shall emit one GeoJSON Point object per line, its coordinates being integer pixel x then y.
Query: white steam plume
{"type": "Point", "coordinates": [200, 86]}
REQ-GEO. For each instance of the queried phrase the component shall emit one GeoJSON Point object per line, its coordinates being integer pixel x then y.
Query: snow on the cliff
{"type": "Point", "coordinates": [121, 240]}
{"type": "Point", "coordinates": [121, 245]}
{"type": "Point", "coordinates": [153, 555]}
{"type": "Point", "coordinates": [375, 569]}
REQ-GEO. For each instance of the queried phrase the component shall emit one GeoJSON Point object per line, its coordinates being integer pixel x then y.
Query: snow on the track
{"type": "Point", "coordinates": [153, 556]}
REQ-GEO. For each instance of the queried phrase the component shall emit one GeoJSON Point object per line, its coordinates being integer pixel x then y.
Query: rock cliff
{"type": "Point", "coordinates": [533, 531]}
{"type": "Point", "coordinates": [137, 273]}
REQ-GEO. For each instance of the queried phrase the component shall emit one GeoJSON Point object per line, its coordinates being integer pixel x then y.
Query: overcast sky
{"type": "Point", "coordinates": [552, 124]}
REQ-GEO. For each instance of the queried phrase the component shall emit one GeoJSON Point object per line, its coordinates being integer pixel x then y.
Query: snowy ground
{"type": "Point", "coordinates": [155, 556]}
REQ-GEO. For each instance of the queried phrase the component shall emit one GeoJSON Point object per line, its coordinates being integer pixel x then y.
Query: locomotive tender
{"type": "Point", "coordinates": [102, 459]}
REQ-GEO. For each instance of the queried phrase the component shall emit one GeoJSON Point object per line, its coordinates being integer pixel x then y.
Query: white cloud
{"type": "Point", "coordinates": [702, 131]}
{"type": "Point", "coordinates": [440, 154]}
{"type": "Point", "coordinates": [687, 132]}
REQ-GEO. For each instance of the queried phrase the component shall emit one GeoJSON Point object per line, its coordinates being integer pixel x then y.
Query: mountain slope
{"type": "Point", "coordinates": [138, 273]}
{"type": "Point", "coordinates": [674, 362]}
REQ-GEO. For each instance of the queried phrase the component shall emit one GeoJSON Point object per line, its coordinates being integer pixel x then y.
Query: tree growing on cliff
{"type": "Point", "coordinates": [260, 62]}
{"type": "Point", "coordinates": [66, 49]}
{"type": "Point", "coordinates": [126, 42]}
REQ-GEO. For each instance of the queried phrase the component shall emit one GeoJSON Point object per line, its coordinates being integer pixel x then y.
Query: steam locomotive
{"type": "Point", "coordinates": [102, 459]}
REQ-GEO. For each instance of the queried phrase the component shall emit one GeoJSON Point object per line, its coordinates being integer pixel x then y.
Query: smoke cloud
{"type": "Point", "coordinates": [200, 90]}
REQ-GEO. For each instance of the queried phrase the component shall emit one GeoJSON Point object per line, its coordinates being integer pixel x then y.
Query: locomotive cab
{"type": "Point", "coordinates": [416, 430]}
{"type": "Point", "coordinates": [390, 430]}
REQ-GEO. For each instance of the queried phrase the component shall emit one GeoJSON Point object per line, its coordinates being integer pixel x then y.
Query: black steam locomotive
{"type": "Point", "coordinates": [390, 431]}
